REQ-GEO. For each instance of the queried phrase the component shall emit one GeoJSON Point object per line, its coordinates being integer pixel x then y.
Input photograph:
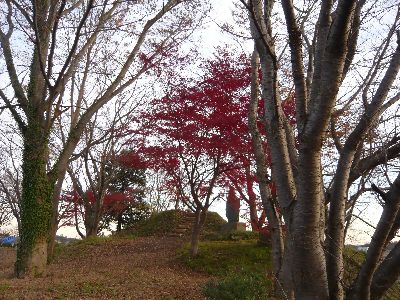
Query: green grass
{"type": "Point", "coordinates": [245, 286]}
{"type": "Point", "coordinates": [158, 224]}
{"type": "Point", "coordinates": [222, 257]}
{"type": "Point", "coordinates": [4, 287]}
{"type": "Point", "coordinates": [165, 222]}
{"type": "Point", "coordinates": [353, 259]}
{"type": "Point", "coordinates": [232, 236]}
{"type": "Point", "coordinates": [240, 268]}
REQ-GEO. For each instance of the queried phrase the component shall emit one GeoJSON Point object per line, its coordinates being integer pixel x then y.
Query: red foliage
{"type": "Point", "coordinates": [205, 118]}
{"type": "Point", "coordinates": [113, 203]}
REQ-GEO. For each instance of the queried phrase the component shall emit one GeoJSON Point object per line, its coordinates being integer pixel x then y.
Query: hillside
{"type": "Point", "coordinates": [104, 268]}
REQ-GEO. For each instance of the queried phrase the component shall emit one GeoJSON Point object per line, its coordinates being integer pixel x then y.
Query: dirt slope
{"type": "Point", "coordinates": [145, 268]}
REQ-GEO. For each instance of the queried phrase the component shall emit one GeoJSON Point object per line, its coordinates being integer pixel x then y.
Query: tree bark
{"type": "Point", "coordinates": [262, 172]}
{"type": "Point", "coordinates": [387, 273]}
{"type": "Point", "coordinates": [36, 205]}
{"type": "Point", "coordinates": [200, 217]}
{"type": "Point", "coordinates": [54, 218]}
{"type": "Point", "coordinates": [91, 221]}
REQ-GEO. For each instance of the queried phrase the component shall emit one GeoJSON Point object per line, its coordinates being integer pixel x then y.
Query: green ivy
{"type": "Point", "coordinates": [37, 190]}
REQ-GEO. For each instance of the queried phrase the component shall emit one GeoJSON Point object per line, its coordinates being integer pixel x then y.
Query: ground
{"type": "Point", "coordinates": [142, 268]}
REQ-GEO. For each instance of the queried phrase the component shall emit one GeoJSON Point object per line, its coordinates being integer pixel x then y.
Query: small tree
{"type": "Point", "coordinates": [199, 132]}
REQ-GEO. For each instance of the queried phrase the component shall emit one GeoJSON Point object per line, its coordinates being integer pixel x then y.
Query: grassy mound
{"type": "Point", "coordinates": [165, 222]}
{"type": "Point", "coordinates": [240, 268]}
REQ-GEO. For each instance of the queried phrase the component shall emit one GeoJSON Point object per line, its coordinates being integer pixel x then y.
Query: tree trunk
{"type": "Point", "coordinates": [262, 172]}
{"type": "Point", "coordinates": [309, 269]}
{"type": "Point", "coordinates": [387, 273]}
{"type": "Point", "coordinates": [362, 288]}
{"type": "Point", "coordinates": [91, 222]}
{"type": "Point", "coordinates": [52, 240]}
{"type": "Point", "coordinates": [36, 205]}
{"type": "Point", "coordinates": [54, 219]}
{"type": "Point", "coordinates": [119, 222]}
{"type": "Point", "coordinates": [200, 217]}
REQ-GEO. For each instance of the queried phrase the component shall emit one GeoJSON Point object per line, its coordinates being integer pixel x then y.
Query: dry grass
{"type": "Point", "coordinates": [144, 268]}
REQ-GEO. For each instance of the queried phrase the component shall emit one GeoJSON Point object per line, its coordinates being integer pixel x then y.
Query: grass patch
{"type": "Point", "coordinates": [165, 222]}
{"type": "Point", "coordinates": [158, 224]}
{"type": "Point", "coordinates": [245, 286]}
{"type": "Point", "coordinates": [353, 259]}
{"type": "Point", "coordinates": [232, 236]}
{"type": "Point", "coordinates": [223, 257]}
{"type": "Point", "coordinates": [4, 287]}
{"type": "Point", "coordinates": [240, 267]}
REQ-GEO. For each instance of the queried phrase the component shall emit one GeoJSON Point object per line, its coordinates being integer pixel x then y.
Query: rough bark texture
{"type": "Point", "coordinates": [301, 211]}
{"type": "Point", "coordinates": [36, 206]}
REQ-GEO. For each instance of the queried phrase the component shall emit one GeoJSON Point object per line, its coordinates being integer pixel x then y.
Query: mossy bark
{"type": "Point", "coordinates": [36, 204]}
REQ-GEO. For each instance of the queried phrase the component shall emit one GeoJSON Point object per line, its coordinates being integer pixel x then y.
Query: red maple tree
{"type": "Point", "coordinates": [198, 134]}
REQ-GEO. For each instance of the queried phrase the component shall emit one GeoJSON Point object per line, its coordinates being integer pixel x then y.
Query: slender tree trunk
{"type": "Point", "coordinates": [362, 288]}
{"type": "Point", "coordinates": [36, 206]}
{"type": "Point", "coordinates": [119, 222]}
{"type": "Point", "coordinates": [200, 217]}
{"type": "Point", "coordinates": [54, 219]}
{"type": "Point", "coordinates": [262, 172]}
{"type": "Point", "coordinates": [387, 273]}
{"type": "Point", "coordinates": [77, 224]}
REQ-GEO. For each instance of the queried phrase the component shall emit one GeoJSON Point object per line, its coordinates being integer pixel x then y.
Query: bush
{"type": "Point", "coordinates": [244, 286]}
{"type": "Point", "coordinates": [135, 213]}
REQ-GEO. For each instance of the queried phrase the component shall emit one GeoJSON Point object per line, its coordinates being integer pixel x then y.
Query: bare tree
{"type": "Point", "coordinates": [136, 34]}
{"type": "Point", "coordinates": [315, 213]}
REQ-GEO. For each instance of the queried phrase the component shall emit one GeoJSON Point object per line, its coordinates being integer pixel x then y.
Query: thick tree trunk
{"type": "Point", "coordinates": [36, 206]}
{"type": "Point", "coordinates": [51, 241]}
{"type": "Point", "coordinates": [200, 217]}
{"type": "Point", "coordinates": [91, 222]}
{"type": "Point", "coordinates": [309, 271]}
